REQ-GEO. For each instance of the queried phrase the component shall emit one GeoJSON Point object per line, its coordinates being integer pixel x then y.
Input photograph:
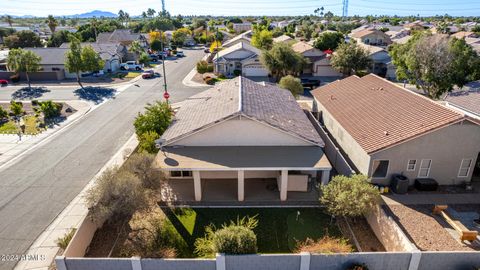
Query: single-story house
{"type": "Point", "coordinates": [282, 38]}
{"type": "Point", "coordinates": [402, 40]}
{"type": "Point", "coordinates": [381, 61]}
{"type": "Point", "coordinates": [243, 37]}
{"type": "Point", "coordinates": [464, 34]}
{"type": "Point", "coordinates": [242, 27]}
{"type": "Point", "coordinates": [53, 59]}
{"type": "Point", "coordinates": [246, 132]}
{"type": "Point", "coordinates": [372, 37]}
{"type": "Point", "coordinates": [113, 54]}
{"type": "Point", "coordinates": [385, 129]}
{"type": "Point", "coordinates": [123, 36]}
{"type": "Point", "coordinates": [242, 57]}
{"type": "Point", "coordinates": [320, 62]}
{"type": "Point", "coordinates": [415, 26]}
{"type": "Point", "coordinates": [466, 99]}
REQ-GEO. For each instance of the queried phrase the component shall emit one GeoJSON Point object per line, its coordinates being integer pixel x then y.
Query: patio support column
{"type": "Point", "coordinates": [197, 185]}
{"type": "Point", "coordinates": [283, 185]}
{"type": "Point", "coordinates": [325, 177]}
{"type": "Point", "coordinates": [241, 185]}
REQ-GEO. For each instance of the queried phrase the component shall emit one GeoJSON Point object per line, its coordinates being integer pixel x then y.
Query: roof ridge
{"type": "Point", "coordinates": [240, 93]}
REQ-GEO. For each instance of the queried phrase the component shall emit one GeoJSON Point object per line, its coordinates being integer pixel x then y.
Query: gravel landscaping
{"type": "Point", "coordinates": [426, 231]}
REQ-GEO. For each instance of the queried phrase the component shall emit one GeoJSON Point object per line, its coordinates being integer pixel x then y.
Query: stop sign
{"type": "Point", "coordinates": [166, 95]}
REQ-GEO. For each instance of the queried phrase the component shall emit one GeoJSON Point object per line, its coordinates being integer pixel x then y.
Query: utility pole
{"type": "Point", "coordinates": [345, 9]}
{"type": "Point", "coordinates": [166, 95]}
{"type": "Point", "coordinates": [163, 8]}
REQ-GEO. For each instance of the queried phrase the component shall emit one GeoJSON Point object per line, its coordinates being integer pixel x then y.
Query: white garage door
{"type": "Point", "coordinates": [255, 70]}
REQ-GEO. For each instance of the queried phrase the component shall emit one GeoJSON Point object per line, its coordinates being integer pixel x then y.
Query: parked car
{"type": "Point", "coordinates": [180, 54]}
{"type": "Point", "coordinates": [148, 74]}
{"type": "Point", "coordinates": [153, 57]}
{"type": "Point", "coordinates": [310, 83]}
{"type": "Point", "coordinates": [207, 50]}
{"type": "Point", "coordinates": [131, 65]}
{"type": "Point", "coordinates": [3, 82]}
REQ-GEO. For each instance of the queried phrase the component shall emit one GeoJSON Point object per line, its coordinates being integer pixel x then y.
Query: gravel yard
{"type": "Point", "coordinates": [426, 231]}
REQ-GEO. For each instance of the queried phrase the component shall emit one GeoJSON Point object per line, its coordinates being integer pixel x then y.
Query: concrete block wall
{"type": "Point", "coordinates": [374, 260]}
{"type": "Point", "coordinates": [449, 260]}
{"type": "Point", "coordinates": [264, 262]}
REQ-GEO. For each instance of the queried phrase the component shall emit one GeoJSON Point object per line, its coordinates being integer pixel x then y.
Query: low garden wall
{"type": "Point", "coordinates": [388, 232]}
{"type": "Point", "coordinates": [449, 260]}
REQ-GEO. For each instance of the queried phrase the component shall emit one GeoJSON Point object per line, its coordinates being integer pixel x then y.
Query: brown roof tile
{"type": "Point", "coordinates": [379, 114]}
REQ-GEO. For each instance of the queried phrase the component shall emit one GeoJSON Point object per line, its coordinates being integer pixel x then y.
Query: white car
{"type": "Point", "coordinates": [131, 65]}
{"type": "Point", "coordinates": [180, 54]}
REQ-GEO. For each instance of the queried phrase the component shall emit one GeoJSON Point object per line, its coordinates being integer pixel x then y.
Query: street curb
{"type": "Point", "coordinates": [74, 214]}
{"type": "Point", "coordinates": [187, 81]}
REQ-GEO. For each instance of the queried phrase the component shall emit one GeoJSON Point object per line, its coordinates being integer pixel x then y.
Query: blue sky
{"type": "Point", "coordinates": [243, 7]}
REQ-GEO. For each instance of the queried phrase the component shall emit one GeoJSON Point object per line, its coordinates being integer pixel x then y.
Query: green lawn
{"type": "Point", "coordinates": [278, 228]}
{"type": "Point", "coordinates": [8, 127]}
{"type": "Point", "coordinates": [30, 126]}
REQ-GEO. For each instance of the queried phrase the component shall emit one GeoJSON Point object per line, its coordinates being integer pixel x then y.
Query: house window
{"type": "Point", "coordinates": [412, 163]}
{"type": "Point", "coordinates": [380, 168]}
{"type": "Point", "coordinates": [425, 166]}
{"type": "Point", "coordinates": [465, 167]}
{"type": "Point", "coordinates": [180, 174]}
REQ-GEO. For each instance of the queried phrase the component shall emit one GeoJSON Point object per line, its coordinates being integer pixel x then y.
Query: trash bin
{"type": "Point", "coordinates": [399, 184]}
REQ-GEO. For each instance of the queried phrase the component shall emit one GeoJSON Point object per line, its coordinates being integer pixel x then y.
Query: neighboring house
{"type": "Point", "coordinates": [385, 129]}
{"type": "Point", "coordinates": [319, 61]}
{"type": "Point", "coordinates": [53, 60]}
{"type": "Point", "coordinates": [398, 34]}
{"type": "Point", "coordinates": [242, 27]}
{"type": "Point", "coordinates": [242, 57]}
{"type": "Point", "coordinates": [401, 40]}
{"type": "Point", "coordinates": [381, 61]}
{"type": "Point", "coordinates": [123, 36]}
{"type": "Point", "coordinates": [463, 34]}
{"type": "Point", "coordinates": [466, 99]}
{"type": "Point", "coordinates": [282, 38]}
{"type": "Point", "coordinates": [372, 37]}
{"type": "Point", "coordinates": [3, 59]}
{"type": "Point", "coordinates": [244, 37]}
{"type": "Point", "coordinates": [245, 132]}
{"type": "Point", "coordinates": [112, 54]}
{"type": "Point", "coordinates": [415, 26]}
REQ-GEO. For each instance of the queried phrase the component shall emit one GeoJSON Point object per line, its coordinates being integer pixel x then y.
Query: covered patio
{"type": "Point", "coordinates": [243, 173]}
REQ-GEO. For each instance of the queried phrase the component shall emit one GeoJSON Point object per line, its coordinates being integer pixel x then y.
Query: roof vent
{"type": "Point", "coordinates": [332, 97]}
{"type": "Point", "coordinates": [386, 133]}
{"type": "Point", "coordinates": [381, 88]}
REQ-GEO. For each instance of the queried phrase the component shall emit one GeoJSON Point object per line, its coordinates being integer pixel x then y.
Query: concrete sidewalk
{"type": "Point", "coordinates": [11, 147]}
{"type": "Point", "coordinates": [466, 198]}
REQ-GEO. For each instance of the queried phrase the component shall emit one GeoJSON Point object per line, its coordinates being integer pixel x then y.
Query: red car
{"type": "Point", "coordinates": [148, 74]}
{"type": "Point", "coordinates": [3, 82]}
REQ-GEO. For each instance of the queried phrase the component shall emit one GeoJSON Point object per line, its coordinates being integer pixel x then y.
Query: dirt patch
{"type": "Point", "coordinates": [366, 238]}
{"type": "Point", "coordinates": [426, 231]}
{"type": "Point", "coordinates": [108, 240]}
{"type": "Point", "coordinates": [198, 78]}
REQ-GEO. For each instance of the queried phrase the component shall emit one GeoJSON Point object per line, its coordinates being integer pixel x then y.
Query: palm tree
{"type": "Point", "coordinates": [144, 15]}
{"type": "Point", "coordinates": [121, 16]}
{"type": "Point", "coordinates": [94, 24]}
{"type": "Point", "coordinates": [151, 12]}
{"type": "Point", "coordinates": [52, 23]}
{"type": "Point", "coordinates": [9, 20]}
{"type": "Point", "coordinates": [127, 18]}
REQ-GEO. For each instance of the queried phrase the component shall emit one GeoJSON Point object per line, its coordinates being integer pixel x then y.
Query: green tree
{"type": "Point", "coordinates": [350, 58]}
{"type": "Point", "coordinates": [20, 60]}
{"type": "Point", "coordinates": [282, 60]}
{"type": "Point", "coordinates": [3, 113]}
{"type": "Point", "coordinates": [146, 142]}
{"type": "Point", "coordinates": [349, 196]}
{"type": "Point", "coordinates": [180, 36]}
{"type": "Point", "coordinates": [262, 39]}
{"type": "Point", "coordinates": [144, 59]}
{"type": "Point", "coordinates": [292, 84]}
{"type": "Point", "coordinates": [151, 124]}
{"type": "Point", "coordinates": [435, 63]}
{"type": "Point", "coordinates": [135, 47]}
{"type": "Point", "coordinates": [50, 109]}
{"type": "Point", "coordinates": [156, 45]}
{"type": "Point", "coordinates": [23, 39]}
{"type": "Point", "coordinates": [58, 38]}
{"type": "Point", "coordinates": [78, 59]}
{"type": "Point", "coordinates": [52, 23]}
{"type": "Point", "coordinates": [328, 41]}
{"type": "Point", "coordinates": [16, 108]}
{"type": "Point", "coordinates": [9, 20]}
{"type": "Point", "coordinates": [151, 12]}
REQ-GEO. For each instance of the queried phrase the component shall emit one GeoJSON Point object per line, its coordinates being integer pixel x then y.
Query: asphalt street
{"type": "Point", "coordinates": [35, 189]}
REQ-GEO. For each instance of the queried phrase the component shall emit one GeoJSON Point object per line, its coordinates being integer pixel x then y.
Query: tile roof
{"type": "Point", "coordinates": [240, 96]}
{"type": "Point", "coordinates": [467, 98]}
{"type": "Point", "coordinates": [282, 38]}
{"type": "Point", "coordinates": [462, 34]}
{"type": "Point", "coordinates": [50, 56]}
{"type": "Point", "coordinates": [239, 37]}
{"type": "Point", "coordinates": [379, 114]}
{"type": "Point", "coordinates": [301, 47]}
{"type": "Point", "coordinates": [239, 46]}
{"type": "Point", "coordinates": [105, 50]}
{"type": "Point", "coordinates": [119, 35]}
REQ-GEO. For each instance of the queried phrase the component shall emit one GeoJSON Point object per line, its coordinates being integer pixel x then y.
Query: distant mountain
{"type": "Point", "coordinates": [95, 13]}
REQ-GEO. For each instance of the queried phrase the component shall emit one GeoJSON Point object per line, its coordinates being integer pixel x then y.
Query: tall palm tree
{"type": "Point", "coordinates": [151, 12]}
{"type": "Point", "coordinates": [94, 24]}
{"type": "Point", "coordinates": [121, 16]}
{"type": "Point", "coordinates": [52, 23]}
{"type": "Point", "coordinates": [144, 15]}
{"type": "Point", "coordinates": [9, 20]}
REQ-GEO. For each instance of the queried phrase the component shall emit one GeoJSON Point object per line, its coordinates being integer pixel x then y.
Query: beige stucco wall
{"type": "Point", "coordinates": [324, 68]}
{"type": "Point", "coordinates": [375, 38]}
{"type": "Point", "coordinates": [241, 132]}
{"type": "Point", "coordinates": [445, 147]}
{"type": "Point", "coordinates": [353, 150]}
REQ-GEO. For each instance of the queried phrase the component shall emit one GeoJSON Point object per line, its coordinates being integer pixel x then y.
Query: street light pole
{"type": "Point", "coordinates": [165, 93]}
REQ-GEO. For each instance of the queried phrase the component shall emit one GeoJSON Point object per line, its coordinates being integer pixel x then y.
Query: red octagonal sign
{"type": "Point", "coordinates": [166, 95]}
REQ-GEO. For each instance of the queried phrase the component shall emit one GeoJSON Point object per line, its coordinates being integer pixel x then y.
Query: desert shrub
{"type": "Point", "coordinates": [210, 68]}
{"type": "Point", "coordinates": [16, 108]}
{"type": "Point", "coordinates": [233, 238]}
{"type": "Point", "coordinates": [349, 196]}
{"type": "Point", "coordinates": [35, 102]}
{"type": "Point", "coordinates": [152, 235]}
{"type": "Point", "coordinates": [50, 109]}
{"type": "Point", "coordinates": [210, 81]}
{"type": "Point", "coordinates": [202, 67]}
{"type": "Point", "coordinates": [3, 113]}
{"type": "Point", "coordinates": [62, 242]}
{"type": "Point", "coordinates": [326, 244]}
{"type": "Point", "coordinates": [116, 194]}
{"type": "Point", "coordinates": [292, 84]}
{"type": "Point", "coordinates": [140, 164]}
{"type": "Point", "coordinates": [146, 142]}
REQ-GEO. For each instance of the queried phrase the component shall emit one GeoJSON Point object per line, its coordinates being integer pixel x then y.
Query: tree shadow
{"type": "Point", "coordinates": [169, 212]}
{"type": "Point", "coordinates": [95, 93]}
{"type": "Point", "coordinates": [29, 93]}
